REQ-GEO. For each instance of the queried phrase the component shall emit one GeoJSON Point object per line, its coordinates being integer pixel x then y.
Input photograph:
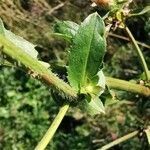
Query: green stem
{"type": "Point", "coordinates": [52, 129]}
{"type": "Point", "coordinates": [36, 67]}
{"type": "Point", "coordinates": [51, 79]}
{"type": "Point", "coordinates": [127, 86]}
{"type": "Point", "coordinates": [120, 140]}
{"type": "Point", "coordinates": [140, 55]}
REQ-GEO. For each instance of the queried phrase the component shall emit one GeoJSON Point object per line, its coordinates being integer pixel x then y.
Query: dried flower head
{"type": "Point", "coordinates": [103, 3]}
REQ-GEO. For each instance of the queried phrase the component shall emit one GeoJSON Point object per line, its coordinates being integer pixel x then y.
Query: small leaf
{"type": "Point", "coordinates": [145, 10]}
{"type": "Point", "coordinates": [26, 46]}
{"type": "Point", "coordinates": [62, 36]}
{"type": "Point", "coordinates": [101, 82]}
{"type": "Point", "coordinates": [87, 52]}
{"type": "Point", "coordinates": [67, 28]}
{"type": "Point", "coordinates": [23, 44]}
{"type": "Point", "coordinates": [96, 86]}
{"type": "Point", "coordinates": [93, 106]}
{"type": "Point", "coordinates": [147, 131]}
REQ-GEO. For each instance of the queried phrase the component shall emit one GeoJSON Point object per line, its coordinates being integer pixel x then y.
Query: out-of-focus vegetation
{"type": "Point", "coordinates": [26, 106]}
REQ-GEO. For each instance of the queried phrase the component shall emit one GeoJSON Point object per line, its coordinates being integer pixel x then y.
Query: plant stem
{"type": "Point", "coordinates": [127, 39]}
{"type": "Point", "coordinates": [40, 71]}
{"type": "Point", "coordinates": [52, 129]}
{"type": "Point", "coordinates": [45, 75]}
{"type": "Point", "coordinates": [120, 140]}
{"type": "Point", "coordinates": [127, 86]}
{"type": "Point", "coordinates": [140, 55]}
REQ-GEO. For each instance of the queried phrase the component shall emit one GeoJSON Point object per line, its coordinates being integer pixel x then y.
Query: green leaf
{"type": "Point", "coordinates": [67, 28]}
{"type": "Point", "coordinates": [147, 131]}
{"type": "Point", "coordinates": [18, 41]}
{"type": "Point", "coordinates": [92, 103]}
{"type": "Point", "coordinates": [26, 46]}
{"type": "Point", "coordinates": [93, 106]}
{"type": "Point", "coordinates": [87, 52]}
{"type": "Point", "coordinates": [85, 62]}
{"type": "Point", "coordinates": [96, 86]}
{"type": "Point", "coordinates": [101, 82]}
{"type": "Point", "coordinates": [145, 10]}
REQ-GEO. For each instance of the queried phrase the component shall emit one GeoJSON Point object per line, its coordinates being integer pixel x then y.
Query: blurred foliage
{"type": "Point", "coordinates": [26, 106]}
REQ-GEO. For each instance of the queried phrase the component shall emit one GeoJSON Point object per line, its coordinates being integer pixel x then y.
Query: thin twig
{"type": "Point", "coordinates": [52, 129]}
{"type": "Point", "coordinates": [55, 8]}
{"type": "Point", "coordinates": [127, 39]}
{"type": "Point", "coordinates": [140, 55]}
{"type": "Point", "coordinates": [120, 140]}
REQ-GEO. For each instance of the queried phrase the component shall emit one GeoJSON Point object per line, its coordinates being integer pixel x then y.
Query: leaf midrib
{"type": "Point", "coordinates": [85, 66]}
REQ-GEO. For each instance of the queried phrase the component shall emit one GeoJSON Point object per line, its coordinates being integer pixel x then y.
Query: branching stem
{"type": "Point", "coordinates": [52, 80]}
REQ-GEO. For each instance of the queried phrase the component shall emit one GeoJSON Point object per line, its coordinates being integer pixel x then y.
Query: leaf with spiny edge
{"type": "Point", "coordinates": [87, 52]}
{"type": "Point", "coordinates": [85, 61]}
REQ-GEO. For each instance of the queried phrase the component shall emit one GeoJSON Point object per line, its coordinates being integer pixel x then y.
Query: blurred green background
{"type": "Point", "coordinates": [26, 106]}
